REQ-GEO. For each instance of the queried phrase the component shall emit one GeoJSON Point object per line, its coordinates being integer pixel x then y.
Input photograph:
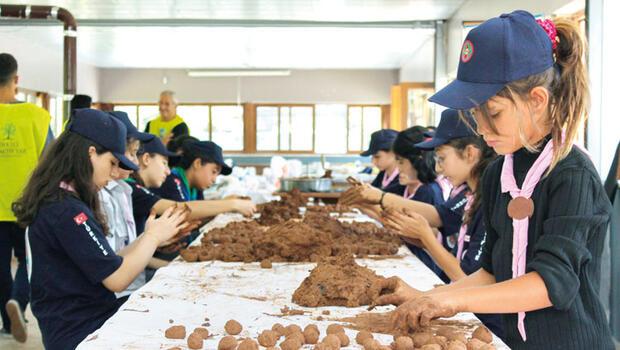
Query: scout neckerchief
{"type": "Point", "coordinates": [189, 194]}
{"type": "Point", "coordinates": [387, 180]}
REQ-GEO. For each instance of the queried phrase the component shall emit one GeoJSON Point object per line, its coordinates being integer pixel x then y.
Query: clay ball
{"type": "Point", "coordinates": [335, 329]}
{"type": "Point", "coordinates": [371, 344]}
{"type": "Point", "coordinates": [248, 344]}
{"type": "Point", "coordinates": [312, 326]}
{"type": "Point", "coordinates": [431, 347]}
{"type": "Point", "coordinates": [227, 343]}
{"type": "Point", "coordinates": [362, 336]}
{"type": "Point", "coordinates": [204, 333]}
{"type": "Point", "coordinates": [441, 340]}
{"type": "Point", "coordinates": [476, 344]}
{"type": "Point", "coordinates": [344, 340]}
{"type": "Point", "coordinates": [292, 328]}
{"type": "Point", "coordinates": [291, 344]}
{"type": "Point", "coordinates": [279, 329]}
{"type": "Point", "coordinates": [321, 346]}
{"type": "Point", "coordinates": [332, 340]}
{"type": "Point", "coordinates": [233, 327]}
{"type": "Point", "coordinates": [175, 332]}
{"type": "Point", "coordinates": [297, 336]}
{"type": "Point", "coordinates": [311, 335]}
{"type": "Point", "coordinates": [456, 345]}
{"type": "Point", "coordinates": [194, 341]}
{"type": "Point", "coordinates": [482, 333]}
{"type": "Point", "coordinates": [403, 343]}
{"type": "Point", "coordinates": [268, 338]}
{"type": "Point", "coordinates": [266, 264]}
{"type": "Point", "coordinates": [421, 339]}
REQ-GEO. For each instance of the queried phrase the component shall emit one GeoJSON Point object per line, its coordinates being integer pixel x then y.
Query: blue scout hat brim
{"type": "Point", "coordinates": [463, 95]}
{"type": "Point", "coordinates": [125, 163]}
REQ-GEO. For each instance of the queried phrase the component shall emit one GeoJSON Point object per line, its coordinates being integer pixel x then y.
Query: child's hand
{"type": "Point", "coordinates": [244, 207]}
{"type": "Point", "coordinates": [394, 291]}
{"type": "Point", "coordinates": [169, 224]}
{"type": "Point", "coordinates": [411, 225]}
{"type": "Point", "coordinates": [418, 312]}
{"type": "Point", "coordinates": [364, 194]}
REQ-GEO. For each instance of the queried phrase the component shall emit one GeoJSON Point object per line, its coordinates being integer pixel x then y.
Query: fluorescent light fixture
{"type": "Point", "coordinates": [238, 73]}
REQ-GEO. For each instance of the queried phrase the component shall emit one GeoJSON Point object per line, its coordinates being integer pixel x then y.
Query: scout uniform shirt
{"type": "Point", "coordinates": [176, 188]}
{"type": "Point", "coordinates": [393, 187]}
{"type": "Point", "coordinates": [143, 201]}
{"type": "Point", "coordinates": [69, 257]}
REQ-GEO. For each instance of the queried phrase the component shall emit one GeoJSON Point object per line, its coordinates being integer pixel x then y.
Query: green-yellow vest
{"type": "Point", "coordinates": [23, 132]}
{"type": "Point", "coordinates": [160, 128]}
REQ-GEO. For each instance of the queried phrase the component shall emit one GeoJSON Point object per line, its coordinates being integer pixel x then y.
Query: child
{"type": "Point", "coordinates": [380, 149]}
{"type": "Point", "coordinates": [463, 161]}
{"type": "Point", "coordinates": [74, 271]}
{"type": "Point", "coordinates": [544, 207]}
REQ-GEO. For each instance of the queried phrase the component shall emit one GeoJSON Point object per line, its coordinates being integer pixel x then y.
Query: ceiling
{"type": "Point", "coordinates": [362, 34]}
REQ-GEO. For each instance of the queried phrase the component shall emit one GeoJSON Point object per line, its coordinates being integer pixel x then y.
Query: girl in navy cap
{"type": "Point", "coordinates": [74, 272]}
{"type": "Point", "coordinates": [380, 149]}
{"type": "Point", "coordinates": [544, 207]}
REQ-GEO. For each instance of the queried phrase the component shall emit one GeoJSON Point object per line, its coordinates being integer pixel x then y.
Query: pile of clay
{"type": "Point", "coordinates": [330, 208]}
{"type": "Point", "coordinates": [318, 235]}
{"type": "Point", "coordinates": [338, 281]}
{"type": "Point", "coordinates": [286, 208]}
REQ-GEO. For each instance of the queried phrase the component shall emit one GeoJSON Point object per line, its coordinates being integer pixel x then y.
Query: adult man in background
{"type": "Point", "coordinates": [24, 133]}
{"type": "Point", "coordinates": [168, 124]}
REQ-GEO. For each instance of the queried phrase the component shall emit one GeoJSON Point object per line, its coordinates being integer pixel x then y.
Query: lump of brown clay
{"type": "Point", "coordinates": [441, 340]}
{"type": "Point", "coordinates": [268, 338]}
{"type": "Point", "coordinates": [227, 343]}
{"type": "Point", "coordinates": [456, 345]}
{"type": "Point", "coordinates": [204, 333]}
{"type": "Point", "coordinates": [431, 347]}
{"type": "Point", "coordinates": [195, 341]}
{"type": "Point", "coordinates": [335, 329]}
{"type": "Point", "coordinates": [476, 344]}
{"type": "Point", "coordinates": [363, 336]}
{"type": "Point", "coordinates": [338, 281]}
{"type": "Point", "coordinates": [403, 343]}
{"type": "Point", "coordinates": [291, 344]}
{"type": "Point", "coordinates": [266, 264]}
{"type": "Point", "coordinates": [482, 333]}
{"type": "Point", "coordinates": [311, 335]}
{"type": "Point", "coordinates": [233, 327]}
{"type": "Point", "coordinates": [332, 340]}
{"type": "Point", "coordinates": [248, 344]}
{"type": "Point", "coordinates": [175, 332]}
{"type": "Point", "coordinates": [279, 329]}
{"type": "Point", "coordinates": [297, 336]}
{"type": "Point", "coordinates": [292, 328]}
{"type": "Point", "coordinates": [312, 326]}
{"type": "Point", "coordinates": [344, 340]}
{"type": "Point", "coordinates": [321, 346]}
{"type": "Point", "coordinates": [421, 339]}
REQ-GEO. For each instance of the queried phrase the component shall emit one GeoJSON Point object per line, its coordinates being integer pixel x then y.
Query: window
{"type": "Point", "coordinates": [56, 110]}
{"type": "Point", "coordinates": [362, 122]}
{"type": "Point", "coordinates": [331, 129]}
{"type": "Point", "coordinates": [227, 127]}
{"type": "Point", "coordinates": [145, 114]}
{"type": "Point", "coordinates": [197, 119]}
{"type": "Point", "coordinates": [284, 128]}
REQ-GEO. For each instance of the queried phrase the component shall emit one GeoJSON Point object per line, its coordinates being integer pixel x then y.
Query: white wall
{"type": "Point", "coordinates": [419, 67]}
{"type": "Point", "coordinates": [38, 51]}
{"type": "Point", "coordinates": [302, 86]}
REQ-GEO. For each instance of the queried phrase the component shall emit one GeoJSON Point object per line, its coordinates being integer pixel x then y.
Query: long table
{"type": "Point", "coordinates": [211, 293]}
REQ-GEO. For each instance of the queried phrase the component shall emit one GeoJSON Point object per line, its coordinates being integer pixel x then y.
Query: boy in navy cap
{"type": "Point", "coordinates": [74, 271]}
{"type": "Point", "coordinates": [380, 149]}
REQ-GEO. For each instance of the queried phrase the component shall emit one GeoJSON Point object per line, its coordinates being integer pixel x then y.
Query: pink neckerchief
{"type": "Point", "coordinates": [445, 185]}
{"type": "Point", "coordinates": [463, 230]}
{"type": "Point", "coordinates": [408, 195]}
{"type": "Point", "coordinates": [456, 190]}
{"type": "Point", "coordinates": [387, 180]}
{"type": "Point", "coordinates": [520, 226]}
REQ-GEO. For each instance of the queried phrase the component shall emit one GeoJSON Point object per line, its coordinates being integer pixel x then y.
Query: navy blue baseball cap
{"type": "Point", "coordinates": [211, 150]}
{"type": "Point", "coordinates": [104, 130]}
{"type": "Point", "coordinates": [132, 131]}
{"type": "Point", "coordinates": [499, 51]}
{"type": "Point", "coordinates": [154, 145]}
{"type": "Point", "coordinates": [451, 127]}
{"type": "Point", "coordinates": [380, 140]}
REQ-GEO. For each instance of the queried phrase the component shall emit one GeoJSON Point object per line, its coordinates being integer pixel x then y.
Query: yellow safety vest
{"type": "Point", "coordinates": [160, 128]}
{"type": "Point", "coordinates": [23, 131]}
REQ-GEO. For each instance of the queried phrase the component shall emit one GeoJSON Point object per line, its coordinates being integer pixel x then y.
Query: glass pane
{"type": "Point", "coordinates": [331, 128]}
{"type": "Point", "coordinates": [56, 122]}
{"type": "Point", "coordinates": [355, 129]}
{"type": "Point", "coordinates": [197, 120]}
{"type": "Point", "coordinates": [20, 97]}
{"type": "Point", "coordinates": [372, 123]}
{"type": "Point", "coordinates": [301, 128]}
{"type": "Point", "coordinates": [285, 129]}
{"type": "Point", "coordinates": [145, 114]}
{"type": "Point", "coordinates": [266, 128]}
{"type": "Point", "coordinates": [132, 112]}
{"type": "Point", "coordinates": [227, 123]}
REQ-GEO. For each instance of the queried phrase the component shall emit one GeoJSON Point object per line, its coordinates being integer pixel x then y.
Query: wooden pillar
{"type": "Point", "coordinates": [249, 128]}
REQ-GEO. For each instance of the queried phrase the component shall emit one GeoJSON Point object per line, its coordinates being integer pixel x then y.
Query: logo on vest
{"type": "Point", "coordinates": [8, 131]}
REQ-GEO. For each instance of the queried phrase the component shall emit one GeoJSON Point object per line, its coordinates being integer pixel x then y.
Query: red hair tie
{"type": "Point", "coordinates": [549, 28]}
